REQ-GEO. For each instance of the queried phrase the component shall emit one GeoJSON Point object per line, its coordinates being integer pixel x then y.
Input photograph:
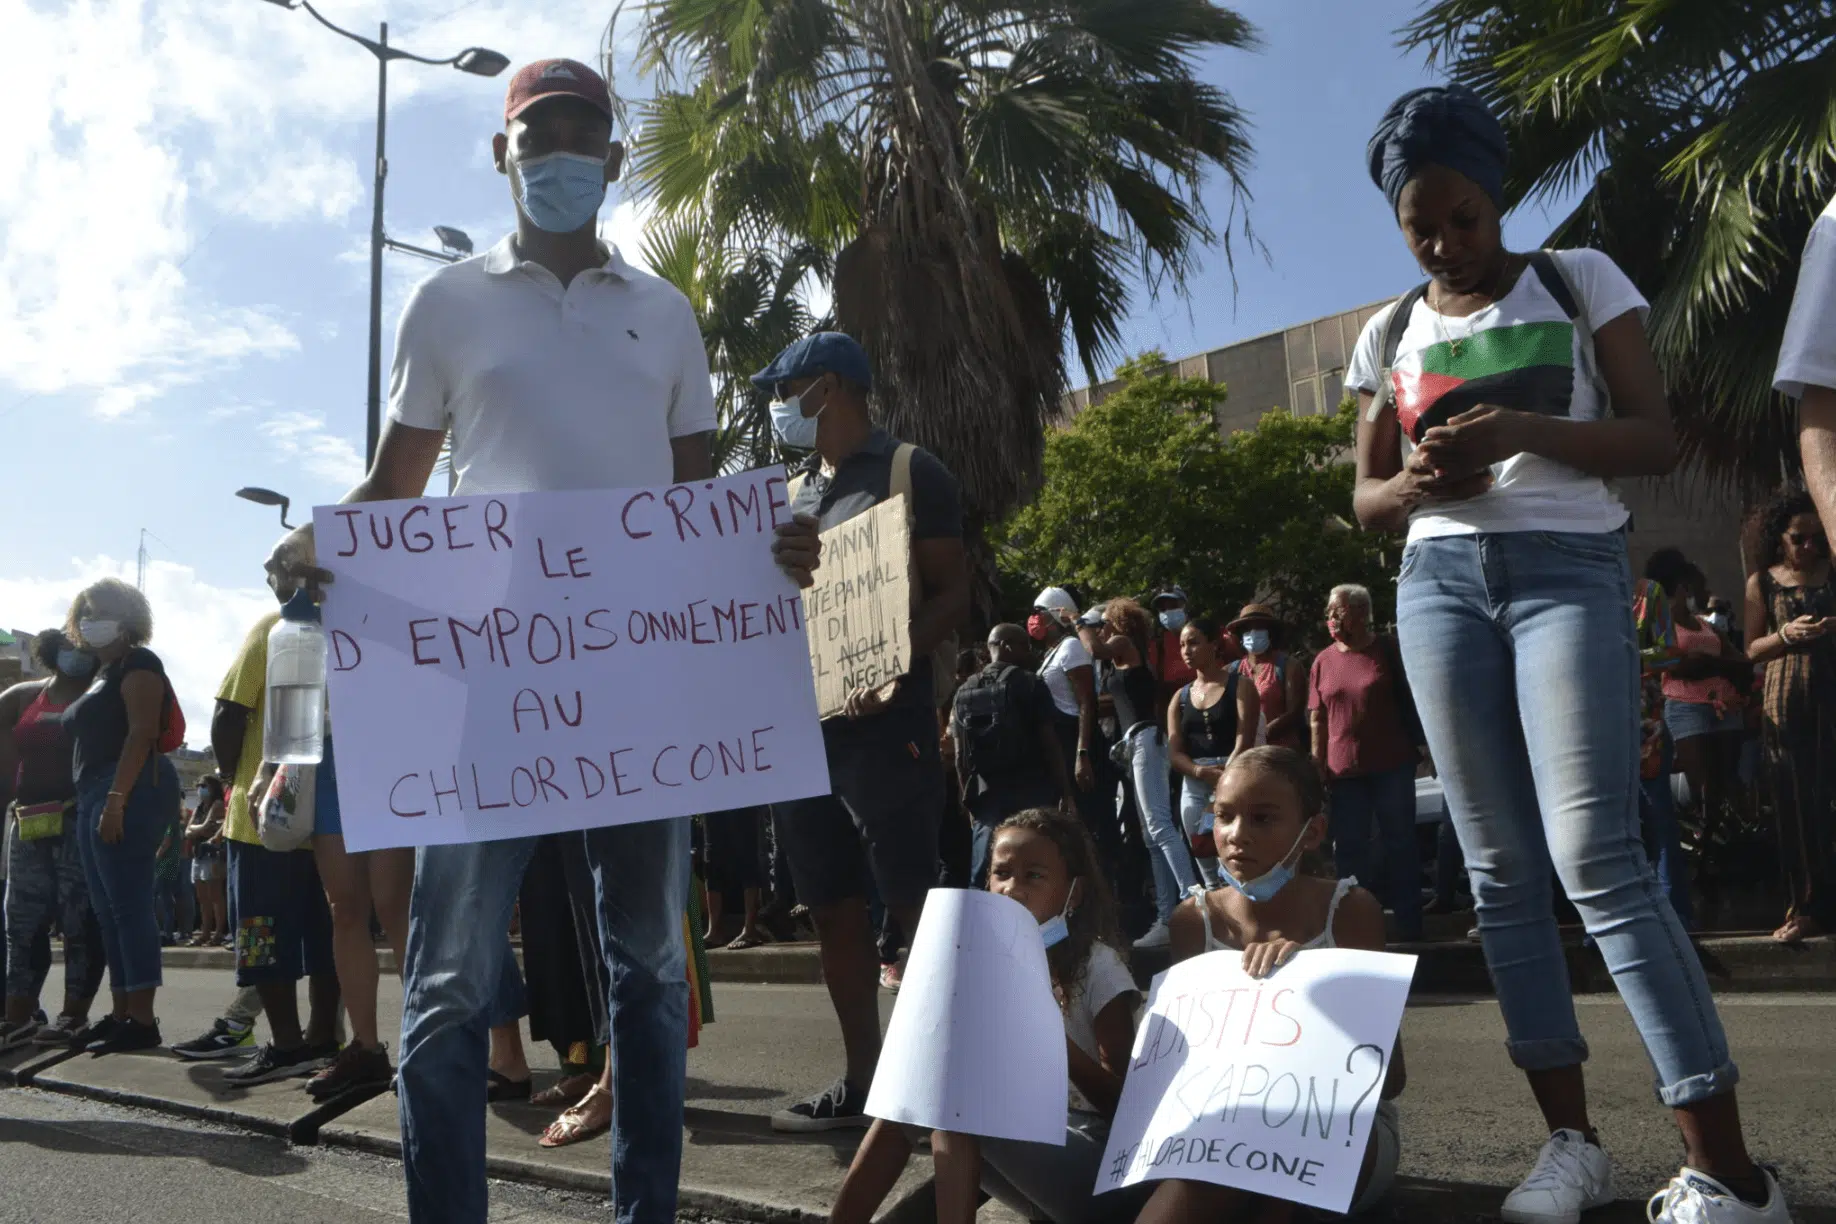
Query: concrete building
{"type": "Point", "coordinates": [1302, 368]}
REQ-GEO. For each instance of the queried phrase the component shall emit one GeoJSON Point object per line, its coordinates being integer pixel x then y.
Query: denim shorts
{"type": "Point", "coordinates": [1689, 719]}
{"type": "Point", "coordinates": [327, 818]}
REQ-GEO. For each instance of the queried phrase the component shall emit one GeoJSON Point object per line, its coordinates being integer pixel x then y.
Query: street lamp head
{"type": "Point", "coordinates": [453, 239]}
{"type": "Point", "coordinates": [479, 61]}
{"type": "Point", "coordinates": [267, 497]}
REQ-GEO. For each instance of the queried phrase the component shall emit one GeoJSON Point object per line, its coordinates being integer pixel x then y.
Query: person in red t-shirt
{"type": "Point", "coordinates": [1170, 667]}
{"type": "Point", "coordinates": [1365, 742]}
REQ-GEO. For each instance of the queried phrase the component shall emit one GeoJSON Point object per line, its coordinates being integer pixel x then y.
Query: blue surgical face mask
{"type": "Point", "coordinates": [1056, 929]}
{"type": "Point", "coordinates": [1255, 641]}
{"type": "Point", "coordinates": [75, 663]}
{"type": "Point", "coordinates": [1173, 620]}
{"type": "Point", "coordinates": [560, 192]}
{"type": "Point", "coordinates": [1265, 886]}
{"type": "Point", "coordinates": [793, 428]}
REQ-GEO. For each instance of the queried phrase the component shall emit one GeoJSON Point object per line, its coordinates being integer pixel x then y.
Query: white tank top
{"type": "Point", "coordinates": [1322, 940]}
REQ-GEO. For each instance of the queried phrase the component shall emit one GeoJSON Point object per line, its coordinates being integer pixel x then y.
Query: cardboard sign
{"type": "Point", "coordinates": [859, 612]}
{"type": "Point", "coordinates": [975, 1043]}
{"type": "Point", "coordinates": [1267, 1085]}
{"type": "Point", "coordinates": [513, 664]}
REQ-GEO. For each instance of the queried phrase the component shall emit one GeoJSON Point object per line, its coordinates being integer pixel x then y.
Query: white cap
{"type": "Point", "coordinates": [1059, 603]}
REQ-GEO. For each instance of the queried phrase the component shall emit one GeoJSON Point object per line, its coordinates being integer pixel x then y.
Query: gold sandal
{"type": "Point", "coordinates": [573, 1127]}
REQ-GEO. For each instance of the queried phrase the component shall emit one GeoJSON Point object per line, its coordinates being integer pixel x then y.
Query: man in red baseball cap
{"type": "Point", "coordinates": [558, 151]}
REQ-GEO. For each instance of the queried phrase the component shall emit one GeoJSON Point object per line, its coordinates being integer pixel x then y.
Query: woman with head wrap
{"type": "Point", "coordinates": [1497, 401]}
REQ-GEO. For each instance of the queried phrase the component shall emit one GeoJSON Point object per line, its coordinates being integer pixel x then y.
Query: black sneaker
{"type": "Point", "coordinates": [12, 1036]}
{"type": "Point", "coordinates": [273, 1063]}
{"type": "Point", "coordinates": [224, 1040]}
{"type": "Point", "coordinates": [124, 1037]}
{"type": "Point", "coordinates": [840, 1107]}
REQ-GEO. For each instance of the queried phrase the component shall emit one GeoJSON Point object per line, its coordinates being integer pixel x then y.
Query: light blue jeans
{"type": "Point", "coordinates": [455, 985]}
{"type": "Point", "coordinates": [1168, 854]}
{"type": "Point", "coordinates": [1195, 816]}
{"type": "Point", "coordinates": [1521, 651]}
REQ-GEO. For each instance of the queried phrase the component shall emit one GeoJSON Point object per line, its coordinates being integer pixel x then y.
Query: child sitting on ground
{"type": "Point", "coordinates": [1267, 815]}
{"type": "Point", "coordinates": [1045, 861]}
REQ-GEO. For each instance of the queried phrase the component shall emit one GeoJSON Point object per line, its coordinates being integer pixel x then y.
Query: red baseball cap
{"type": "Point", "coordinates": [553, 78]}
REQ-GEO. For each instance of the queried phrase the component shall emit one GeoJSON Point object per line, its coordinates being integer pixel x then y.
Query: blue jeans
{"type": "Point", "coordinates": [1388, 799]}
{"type": "Point", "coordinates": [1169, 856]}
{"type": "Point", "coordinates": [1663, 843]}
{"type": "Point", "coordinates": [455, 980]}
{"type": "Point", "coordinates": [120, 876]}
{"type": "Point", "coordinates": [1521, 651]}
{"type": "Point", "coordinates": [1195, 817]}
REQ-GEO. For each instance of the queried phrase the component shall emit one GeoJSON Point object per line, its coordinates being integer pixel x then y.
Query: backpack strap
{"type": "Point", "coordinates": [1556, 283]}
{"type": "Point", "coordinates": [901, 479]}
{"type": "Point", "coordinates": [1393, 329]}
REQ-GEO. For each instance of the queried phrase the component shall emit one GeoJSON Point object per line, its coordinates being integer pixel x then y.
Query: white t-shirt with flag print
{"type": "Point", "coordinates": [1520, 352]}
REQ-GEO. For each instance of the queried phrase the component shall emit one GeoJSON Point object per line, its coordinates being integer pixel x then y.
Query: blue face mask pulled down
{"type": "Point", "coordinates": [1056, 929]}
{"type": "Point", "coordinates": [561, 192]}
{"type": "Point", "coordinates": [1265, 886]}
{"type": "Point", "coordinates": [75, 663]}
{"type": "Point", "coordinates": [793, 428]}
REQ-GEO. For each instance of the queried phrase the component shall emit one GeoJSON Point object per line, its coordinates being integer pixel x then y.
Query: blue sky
{"type": "Point", "coordinates": [184, 269]}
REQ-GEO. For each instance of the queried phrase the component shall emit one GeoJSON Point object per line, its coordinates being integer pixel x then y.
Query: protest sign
{"type": "Point", "coordinates": [976, 1039]}
{"type": "Point", "coordinates": [859, 612]}
{"type": "Point", "coordinates": [1267, 1085]}
{"type": "Point", "coordinates": [513, 664]}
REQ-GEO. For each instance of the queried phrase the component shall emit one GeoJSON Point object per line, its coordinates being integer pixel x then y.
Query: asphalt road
{"type": "Point", "coordinates": [68, 1160]}
{"type": "Point", "coordinates": [1467, 1118]}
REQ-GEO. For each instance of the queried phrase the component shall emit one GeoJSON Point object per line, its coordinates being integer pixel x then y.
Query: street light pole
{"type": "Point", "coordinates": [478, 61]}
{"type": "Point", "coordinates": [373, 411]}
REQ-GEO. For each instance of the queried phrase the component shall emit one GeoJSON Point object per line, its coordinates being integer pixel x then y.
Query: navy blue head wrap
{"type": "Point", "coordinates": [1442, 125]}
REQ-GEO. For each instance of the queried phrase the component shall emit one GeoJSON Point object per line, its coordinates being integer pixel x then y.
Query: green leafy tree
{"type": "Point", "coordinates": [1142, 491]}
{"type": "Point", "coordinates": [1705, 132]}
{"type": "Point", "coordinates": [987, 177]}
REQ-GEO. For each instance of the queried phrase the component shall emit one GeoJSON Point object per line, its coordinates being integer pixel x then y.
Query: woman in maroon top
{"type": "Point", "coordinates": [1365, 743]}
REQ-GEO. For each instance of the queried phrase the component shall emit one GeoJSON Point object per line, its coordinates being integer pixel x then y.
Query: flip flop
{"type": "Point", "coordinates": [572, 1126]}
{"type": "Point", "coordinates": [742, 942]}
{"type": "Point", "coordinates": [500, 1087]}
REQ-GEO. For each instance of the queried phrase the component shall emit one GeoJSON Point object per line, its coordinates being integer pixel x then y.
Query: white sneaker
{"type": "Point", "coordinates": [1571, 1176]}
{"type": "Point", "coordinates": [1697, 1198]}
{"type": "Point", "coordinates": [1158, 936]}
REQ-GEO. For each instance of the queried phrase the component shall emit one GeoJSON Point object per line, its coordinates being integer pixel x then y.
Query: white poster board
{"type": "Point", "coordinates": [513, 664]}
{"type": "Point", "coordinates": [976, 1043]}
{"type": "Point", "coordinates": [860, 608]}
{"type": "Point", "coordinates": [1269, 1086]}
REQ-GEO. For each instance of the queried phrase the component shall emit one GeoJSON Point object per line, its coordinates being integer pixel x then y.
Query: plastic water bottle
{"type": "Point", "coordinates": [293, 730]}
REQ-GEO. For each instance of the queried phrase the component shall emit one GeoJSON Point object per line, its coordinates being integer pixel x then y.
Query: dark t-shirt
{"type": "Point", "coordinates": [44, 754]}
{"type": "Point", "coordinates": [863, 481]}
{"type": "Point", "coordinates": [98, 720]}
{"type": "Point", "coordinates": [1365, 728]}
{"type": "Point", "coordinates": [1211, 733]}
{"type": "Point", "coordinates": [1132, 690]}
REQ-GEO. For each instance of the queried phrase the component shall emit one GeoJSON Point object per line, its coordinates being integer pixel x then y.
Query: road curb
{"type": "Point", "coordinates": [1736, 963]}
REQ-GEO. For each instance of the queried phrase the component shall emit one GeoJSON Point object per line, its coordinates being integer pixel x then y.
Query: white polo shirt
{"type": "Point", "coordinates": [546, 388]}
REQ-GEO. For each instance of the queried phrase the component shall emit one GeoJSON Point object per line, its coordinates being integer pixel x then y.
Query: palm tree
{"type": "Point", "coordinates": [1706, 132]}
{"type": "Point", "coordinates": [749, 309]}
{"type": "Point", "coordinates": [984, 176]}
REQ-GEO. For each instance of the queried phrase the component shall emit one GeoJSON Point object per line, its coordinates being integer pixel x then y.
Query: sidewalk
{"type": "Point", "coordinates": [1469, 1123]}
{"type": "Point", "coordinates": [1450, 963]}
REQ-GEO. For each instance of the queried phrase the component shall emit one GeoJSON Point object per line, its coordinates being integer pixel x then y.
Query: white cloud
{"type": "Point", "coordinates": [197, 628]}
{"type": "Point", "coordinates": [308, 440]}
{"type": "Point", "coordinates": [157, 120]}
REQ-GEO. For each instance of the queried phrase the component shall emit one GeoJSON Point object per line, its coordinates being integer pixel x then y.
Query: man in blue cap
{"type": "Point", "coordinates": [880, 825]}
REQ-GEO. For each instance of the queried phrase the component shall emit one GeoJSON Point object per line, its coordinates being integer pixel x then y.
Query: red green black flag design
{"type": "Point", "coordinates": [1527, 366]}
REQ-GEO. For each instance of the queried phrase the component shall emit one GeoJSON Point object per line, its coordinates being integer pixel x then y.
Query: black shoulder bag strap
{"type": "Point", "coordinates": [1393, 329]}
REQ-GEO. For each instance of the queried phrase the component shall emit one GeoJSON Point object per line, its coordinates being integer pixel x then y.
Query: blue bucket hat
{"type": "Point", "coordinates": [818, 353]}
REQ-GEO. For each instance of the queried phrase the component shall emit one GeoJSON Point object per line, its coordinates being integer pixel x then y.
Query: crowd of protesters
{"type": "Point", "coordinates": [1152, 777]}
